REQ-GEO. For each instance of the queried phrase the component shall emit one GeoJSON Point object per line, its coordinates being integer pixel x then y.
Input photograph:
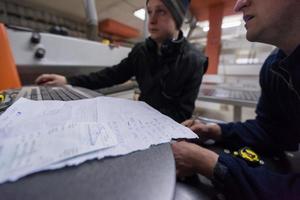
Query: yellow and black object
{"type": "Point", "coordinates": [7, 98]}
{"type": "Point", "coordinates": [249, 156]}
{"type": "Point", "coordinates": [2, 97]}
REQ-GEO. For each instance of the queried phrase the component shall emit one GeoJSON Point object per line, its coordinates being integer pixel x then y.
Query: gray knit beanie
{"type": "Point", "coordinates": [177, 8]}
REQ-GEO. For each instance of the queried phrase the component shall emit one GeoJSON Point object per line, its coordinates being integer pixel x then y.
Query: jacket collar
{"type": "Point", "coordinates": [288, 67]}
{"type": "Point", "coordinates": [169, 47]}
{"type": "Point", "coordinates": [291, 62]}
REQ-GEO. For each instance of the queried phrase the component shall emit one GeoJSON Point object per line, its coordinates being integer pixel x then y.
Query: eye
{"type": "Point", "coordinates": [149, 12]}
{"type": "Point", "coordinates": [161, 12]}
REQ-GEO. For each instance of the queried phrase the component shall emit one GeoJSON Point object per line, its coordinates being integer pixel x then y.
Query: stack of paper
{"type": "Point", "coordinates": [39, 135]}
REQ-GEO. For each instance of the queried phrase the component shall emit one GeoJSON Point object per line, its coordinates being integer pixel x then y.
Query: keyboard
{"type": "Point", "coordinates": [65, 93]}
{"type": "Point", "coordinates": [40, 93]}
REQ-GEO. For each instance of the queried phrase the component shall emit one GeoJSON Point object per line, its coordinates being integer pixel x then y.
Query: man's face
{"type": "Point", "coordinates": [161, 24]}
{"type": "Point", "coordinates": [266, 20]}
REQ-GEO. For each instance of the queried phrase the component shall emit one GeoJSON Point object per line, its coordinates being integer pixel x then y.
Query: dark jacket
{"type": "Point", "coordinates": [168, 82]}
{"type": "Point", "coordinates": [275, 129]}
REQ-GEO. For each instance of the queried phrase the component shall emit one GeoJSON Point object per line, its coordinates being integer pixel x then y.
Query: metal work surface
{"type": "Point", "coordinates": [236, 97]}
{"type": "Point", "coordinates": [148, 174]}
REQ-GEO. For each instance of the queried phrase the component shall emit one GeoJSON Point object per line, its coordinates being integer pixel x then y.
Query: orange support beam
{"type": "Point", "coordinates": [9, 77]}
{"type": "Point", "coordinates": [200, 8]}
{"type": "Point", "coordinates": [213, 47]}
{"type": "Point", "coordinates": [116, 28]}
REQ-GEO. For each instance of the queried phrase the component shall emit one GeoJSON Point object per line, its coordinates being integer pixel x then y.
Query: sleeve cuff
{"type": "Point", "coordinates": [69, 80]}
{"type": "Point", "coordinates": [224, 129]}
{"type": "Point", "coordinates": [219, 175]}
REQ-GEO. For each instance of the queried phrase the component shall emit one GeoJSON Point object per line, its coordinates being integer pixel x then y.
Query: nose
{"type": "Point", "coordinates": [152, 18]}
{"type": "Point", "coordinates": [240, 4]}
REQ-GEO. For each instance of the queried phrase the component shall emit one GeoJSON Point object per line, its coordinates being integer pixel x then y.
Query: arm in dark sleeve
{"type": "Point", "coordinates": [186, 101]}
{"type": "Point", "coordinates": [254, 133]}
{"type": "Point", "coordinates": [249, 133]}
{"type": "Point", "coordinates": [244, 182]}
{"type": "Point", "coordinates": [108, 76]}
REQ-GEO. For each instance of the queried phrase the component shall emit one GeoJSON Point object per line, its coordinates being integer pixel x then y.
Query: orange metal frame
{"type": "Point", "coordinates": [9, 77]}
{"type": "Point", "coordinates": [116, 28]}
{"type": "Point", "coordinates": [214, 11]}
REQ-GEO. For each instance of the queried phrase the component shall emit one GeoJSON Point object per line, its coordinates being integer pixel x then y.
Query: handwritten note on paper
{"type": "Point", "coordinates": [35, 115]}
{"type": "Point", "coordinates": [136, 125]}
{"type": "Point", "coordinates": [30, 152]}
{"type": "Point", "coordinates": [39, 135]}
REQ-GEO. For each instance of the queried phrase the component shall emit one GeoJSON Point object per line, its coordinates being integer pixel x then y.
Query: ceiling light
{"type": "Point", "coordinates": [243, 61]}
{"type": "Point", "coordinates": [205, 29]}
{"type": "Point", "coordinates": [140, 14]}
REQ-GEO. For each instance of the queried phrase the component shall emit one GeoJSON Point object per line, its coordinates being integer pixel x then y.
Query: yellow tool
{"type": "Point", "coordinates": [2, 97]}
{"type": "Point", "coordinates": [249, 156]}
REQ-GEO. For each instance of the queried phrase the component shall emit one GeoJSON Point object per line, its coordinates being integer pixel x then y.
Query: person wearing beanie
{"type": "Point", "coordinates": [167, 68]}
